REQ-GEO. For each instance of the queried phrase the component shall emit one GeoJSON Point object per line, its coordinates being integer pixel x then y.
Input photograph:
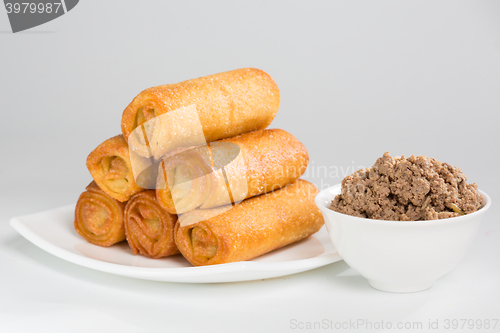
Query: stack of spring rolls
{"type": "Point", "coordinates": [233, 198]}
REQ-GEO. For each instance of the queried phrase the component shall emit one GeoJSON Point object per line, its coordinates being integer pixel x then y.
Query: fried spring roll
{"type": "Point", "coordinates": [149, 229]}
{"type": "Point", "coordinates": [227, 104]}
{"type": "Point", "coordinates": [254, 227]}
{"type": "Point", "coordinates": [230, 170]}
{"type": "Point", "coordinates": [109, 164]}
{"type": "Point", "coordinates": [99, 217]}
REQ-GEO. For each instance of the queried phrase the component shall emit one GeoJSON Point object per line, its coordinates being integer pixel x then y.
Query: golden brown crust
{"type": "Point", "coordinates": [109, 164]}
{"type": "Point", "coordinates": [99, 217]}
{"type": "Point", "coordinates": [273, 158]}
{"type": "Point", "coordinates": [268, 160]}
{"type": "Point", "coordinates": [198, 162]}
{"type": "Point", "coordinates": [149, 229]}
{"type": "Point", "coordinates": [228, 104]}
{"type": "Point", "coordinates": [254, 227]}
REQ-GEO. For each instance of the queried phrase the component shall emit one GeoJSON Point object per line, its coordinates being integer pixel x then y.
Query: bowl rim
{"type": "Point", "coordinates": [321, 205]}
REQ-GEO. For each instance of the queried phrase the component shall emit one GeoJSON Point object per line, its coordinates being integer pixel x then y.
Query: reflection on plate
{"type": "Point", "coordinates": [53, 232]}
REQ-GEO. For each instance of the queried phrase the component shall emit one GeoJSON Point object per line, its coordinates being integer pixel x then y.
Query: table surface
{"type": "Point", "coordinates": [356, 79]}
{"type": "Point", "coordinates": [47, 293]}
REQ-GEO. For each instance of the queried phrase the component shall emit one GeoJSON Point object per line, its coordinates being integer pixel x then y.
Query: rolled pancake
{"type": "Point", "coordinates": [110, 166]}
{"type": "Point", "coordinates": [99, 217]}
{"type": "Point", "coordinates": [254, 227]}
{"type": "Point", "coordinates": [149, 229]}
{"type": "Point", "coordinates": [230, 170]}
{"type": "Point", "coordinates": [226, 104]}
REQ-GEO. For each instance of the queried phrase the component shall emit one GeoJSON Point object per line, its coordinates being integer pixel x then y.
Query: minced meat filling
{"type": "Point", "coordinates": [407, 189]}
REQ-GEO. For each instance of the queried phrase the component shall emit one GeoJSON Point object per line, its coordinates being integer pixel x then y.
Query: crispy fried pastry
{"type": "Point", "coordinates": [99, 217]}
{"type": "Point", "coordinates": [149, 228]}
{"type": "Point", "coordinates": [230, 170]}
{"type": "Point", "coordinates": [227, 104]}
{"type": "Point", "coordinates": [110, 166]}
{"type": "Point", "coordinates": [252, 228]}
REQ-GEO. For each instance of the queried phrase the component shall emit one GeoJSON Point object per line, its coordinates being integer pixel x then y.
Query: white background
{"type": "Point", "coordinates": [357, 78]}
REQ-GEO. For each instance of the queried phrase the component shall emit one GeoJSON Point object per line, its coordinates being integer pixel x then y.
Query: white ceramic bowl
{"type": "Point", "coordinates": [400, 256]}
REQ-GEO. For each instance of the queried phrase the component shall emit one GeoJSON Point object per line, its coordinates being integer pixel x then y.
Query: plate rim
{"type": "Point", "coordinates": [297, 266]}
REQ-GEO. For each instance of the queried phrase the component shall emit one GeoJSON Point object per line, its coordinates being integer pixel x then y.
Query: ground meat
{"type": "Point", "coordinates": [407, 189]}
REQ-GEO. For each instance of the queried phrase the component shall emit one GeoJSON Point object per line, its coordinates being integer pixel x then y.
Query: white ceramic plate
{"type": "Point", "coordinates": [53, 232]}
